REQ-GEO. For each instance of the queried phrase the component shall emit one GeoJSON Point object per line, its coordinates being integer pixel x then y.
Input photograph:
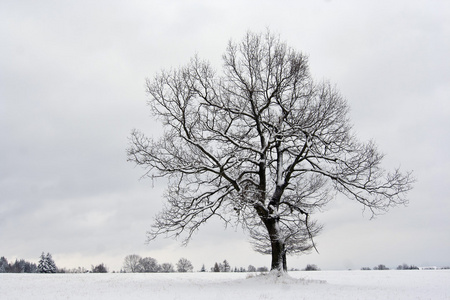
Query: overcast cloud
{"type": "Point", "coordinates": [72, 77]}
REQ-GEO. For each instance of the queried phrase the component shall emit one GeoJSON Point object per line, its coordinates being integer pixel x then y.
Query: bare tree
{"type": "Point", "coordinates": [260, 145]}
{"type": "Point", "coordinates": [167, 268]}
{"type": "Point", "coordinates": [132, 263]}
{"type": "Point", "coordinates": [184, 265]}
{"type": "Point", "coordinates": [149, 264]}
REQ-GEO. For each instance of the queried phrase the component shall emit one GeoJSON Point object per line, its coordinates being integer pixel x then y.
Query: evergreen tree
{"type": "Point", "coordinates": [30, 267]}
{"type": "Point", "coordinates": [51, 264]}
{"type": "Point", "coordinates": [216, 268]}
{"type": "Point", "coordinates": [18, 266]}
{"type": "Point", "coordinates": [46, 264]}
{"type": "Point", "coordinates": [42, 264]}
{"type": "Point", "coordinates": [101, 268]}
{"type": "Point", "coordinates": [4, 266]}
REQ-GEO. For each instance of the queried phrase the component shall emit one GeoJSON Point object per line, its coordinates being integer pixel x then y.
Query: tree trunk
{"type": "Point", "coordinates": [278, 246]}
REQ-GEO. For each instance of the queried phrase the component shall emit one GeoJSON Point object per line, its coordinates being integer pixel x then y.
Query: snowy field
{"type": "Point", "coordinates": [391, 284]}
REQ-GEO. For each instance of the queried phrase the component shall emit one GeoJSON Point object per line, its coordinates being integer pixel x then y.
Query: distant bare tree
{"type": "Point", "coordinates": [167, 268]}
{"type": "Point", "coordinates": [407, 267]}
{"type": "Point", "coordinates": [149, 264]}
{"type": "Point", "coordinates": [184, 265]}
{"type": "Point", "coordinates": [261, 145]}
{"type": "Point", "coordinates": [226, 266]}
{"type": "Point", "coordinates": [381, 267]}
{"type": "Point", "coordinates": [262, 269]}
{"type": "Point", "coordinates": [132, 263]}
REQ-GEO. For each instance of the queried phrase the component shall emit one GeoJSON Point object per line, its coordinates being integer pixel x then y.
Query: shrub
{"type": "Point", "coordinates": [311, 268]}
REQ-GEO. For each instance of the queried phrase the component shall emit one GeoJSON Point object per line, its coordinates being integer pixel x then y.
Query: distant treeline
{"type": "Point", "coordinates": [225, 267]}
{"type": "Point", "coordinates": [19, 266]}
{"type": "Point", "coordinates": [46, 265]}
{"type": "Point", "coordinates": [134, 263]}
{"type": "Point", "coordinates": [401, 267]}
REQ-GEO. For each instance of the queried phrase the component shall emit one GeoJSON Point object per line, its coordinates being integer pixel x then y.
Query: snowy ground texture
{"type": "Point", "coordinates": [393, 284]}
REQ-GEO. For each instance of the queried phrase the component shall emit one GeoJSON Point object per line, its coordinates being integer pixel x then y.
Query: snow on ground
{"type": "Point", "coordinates": [393, 284]}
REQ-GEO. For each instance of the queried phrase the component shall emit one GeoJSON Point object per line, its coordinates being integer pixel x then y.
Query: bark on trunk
{"type": "Point", "coordinates": [278, 247]}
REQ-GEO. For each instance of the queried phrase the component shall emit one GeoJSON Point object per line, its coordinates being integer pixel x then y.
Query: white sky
{"type": "Point", "coordinates": [72, 88]}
